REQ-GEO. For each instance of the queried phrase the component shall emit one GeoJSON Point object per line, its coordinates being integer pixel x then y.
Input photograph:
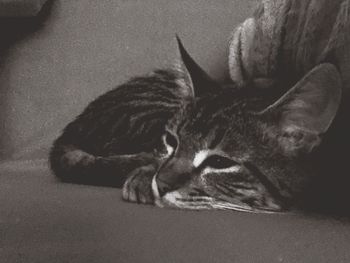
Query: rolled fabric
{"type": "Point", "coordinates": [20, 8]}
{"type": "Point", "coordinates": [287, 38]}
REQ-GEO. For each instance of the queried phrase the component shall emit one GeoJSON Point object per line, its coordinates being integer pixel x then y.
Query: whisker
{"type": "Point", "coordinates": [195, 199]}
{"type": "Point", "coordinates": [207, 203]}
{"type": "Point", "coordinates": [193, 205]}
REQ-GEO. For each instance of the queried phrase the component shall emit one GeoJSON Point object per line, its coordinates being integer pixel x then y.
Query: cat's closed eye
{"type": "Point", "coordinates": [218, 162]}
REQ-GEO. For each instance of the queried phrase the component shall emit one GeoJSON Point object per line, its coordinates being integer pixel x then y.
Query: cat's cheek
{"type": "Point", "coordinates": [137, 188]}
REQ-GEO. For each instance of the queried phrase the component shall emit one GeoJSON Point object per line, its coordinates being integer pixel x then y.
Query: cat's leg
{"type": "Point", "coordinates": [138, 186]}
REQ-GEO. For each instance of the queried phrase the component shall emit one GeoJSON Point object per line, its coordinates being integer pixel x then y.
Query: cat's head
{"type": "Point", "coordinates": [243, 149]}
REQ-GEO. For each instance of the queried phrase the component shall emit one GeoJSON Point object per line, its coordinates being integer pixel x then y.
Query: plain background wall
{"type": "Point", "coordinates": [85, 47]}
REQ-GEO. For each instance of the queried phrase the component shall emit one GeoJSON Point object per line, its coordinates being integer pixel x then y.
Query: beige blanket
{"type": "Point", "coordinates": [286, 38]}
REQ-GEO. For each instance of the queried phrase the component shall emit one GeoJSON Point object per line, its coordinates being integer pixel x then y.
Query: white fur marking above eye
{"type": "Point", "coordinates": [232, 169]}
{"type": "Point", "coordinates": [200, 157]}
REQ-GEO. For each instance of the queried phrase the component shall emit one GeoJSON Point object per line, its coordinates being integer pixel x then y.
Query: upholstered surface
{"type": "Point", "coordinates": [18, 8]}
{"type": "Point", "coordinates": [50, 67]}
{"type": "Point", "coordinates": [44, 221]}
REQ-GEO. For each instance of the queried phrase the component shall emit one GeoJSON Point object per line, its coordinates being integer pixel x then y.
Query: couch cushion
{"type": "Point", "coordinates": [15, 8]}
{"type": "Point", "coordinates": [42, 220]}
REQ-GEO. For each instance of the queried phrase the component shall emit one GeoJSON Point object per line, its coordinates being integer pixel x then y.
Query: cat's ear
{"type": "Point", "coordinates": [307, 110]}
{"type": "Point", "coordinates": [200, 82]}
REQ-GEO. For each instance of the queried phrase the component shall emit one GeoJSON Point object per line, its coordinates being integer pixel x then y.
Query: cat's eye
{"type": "Point", "coordinates": [170, 139]}
{"type": "Point", "coordinates": [218, 162]}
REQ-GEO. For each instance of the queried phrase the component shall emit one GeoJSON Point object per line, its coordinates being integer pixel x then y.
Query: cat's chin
{"type": "Point", "coordinates": [181, 200]}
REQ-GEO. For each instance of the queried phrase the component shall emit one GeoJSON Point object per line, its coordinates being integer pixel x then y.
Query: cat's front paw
{"type": "Point", "coordinates": [138, 187]}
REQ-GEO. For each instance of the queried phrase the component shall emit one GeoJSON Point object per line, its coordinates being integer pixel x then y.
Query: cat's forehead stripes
{"type": "Point", "coordinates": [218, 135]}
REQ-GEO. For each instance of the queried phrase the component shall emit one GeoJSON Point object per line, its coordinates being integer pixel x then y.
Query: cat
{"type": "Point", "coordinates": [177, 138]}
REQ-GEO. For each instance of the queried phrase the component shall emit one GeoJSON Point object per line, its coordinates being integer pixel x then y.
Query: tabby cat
{"type": "Point", "coordinates": [176, 138]}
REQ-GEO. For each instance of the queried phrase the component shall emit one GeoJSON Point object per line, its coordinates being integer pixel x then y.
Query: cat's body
{"type": "Point", "coordinates": [119, 131]}
{"type": "Point", "coordinates": [272, 139]}
{"type": "Point", "coordinates": [176, 138]}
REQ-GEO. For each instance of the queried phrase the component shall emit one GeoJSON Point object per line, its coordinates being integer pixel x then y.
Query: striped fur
{"type": "Point", "coordinates": [122, 138]}
{"type": "Point", "coordinates": [119, 131]}
{"type": "Point", "coordinates": [253, 146]}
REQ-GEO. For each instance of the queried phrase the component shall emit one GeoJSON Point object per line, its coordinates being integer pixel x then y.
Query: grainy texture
{"type": "Point", "coordinates": [84, 48]}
